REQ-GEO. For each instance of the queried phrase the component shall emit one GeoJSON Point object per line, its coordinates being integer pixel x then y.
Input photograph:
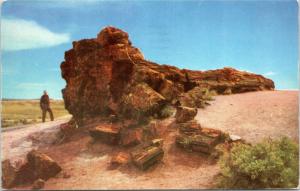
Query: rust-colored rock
{"type": "Point", "coordinates": [195, 98]}
{"type": "Point", "coordinates": [106, 133]}
{"type": "Point", "coordinates": [36, 166]}
{"type": "Point", "coordinates": [229, 80]}
{"type": "Point", "coordinates": [184, 114]}
{"type": "Point", "coordinates": [213, 133]}
{"type": "Point", "coordinates": [9, 174]}
{"type": "Point", "coordinates": [194, 138]}
{"type": "Point", "coordinates": [42, 166]}
{"type": "Point", "coordinates": [190, 127]}
{"type": "Point", "coordinates": [197, 143]}
{"type": "Point", "coordinates": [107, 75]}
{"type": "Point", "coordinates": [120, 158]}
{"type": "Point", "coordinates": [145, 157]}
{"type": "Point", "coordinates": [142, 101]}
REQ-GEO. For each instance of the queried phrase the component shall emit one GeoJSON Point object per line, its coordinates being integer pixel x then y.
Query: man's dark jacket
{"type": "Point", "coordinates": [44, 101]}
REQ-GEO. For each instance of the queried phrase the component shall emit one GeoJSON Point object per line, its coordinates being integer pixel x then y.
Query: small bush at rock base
{"type": "Point", "coordinates": [270, 164]}
{"type": "Point", "coordinates": [166, 112]}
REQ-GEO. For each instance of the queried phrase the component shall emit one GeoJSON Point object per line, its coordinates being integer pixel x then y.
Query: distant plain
{"type": "Point", "coordinates": [23, 112]}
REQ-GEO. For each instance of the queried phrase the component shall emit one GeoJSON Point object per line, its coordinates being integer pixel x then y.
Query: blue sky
{"type": "Point", "coordinates": [256, 36]}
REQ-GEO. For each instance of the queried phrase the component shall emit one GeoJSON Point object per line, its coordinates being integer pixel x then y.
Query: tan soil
{"type": "Point", "coordinates": [255, 115]}
{"type": "Point", "coordinates": [252, 116]}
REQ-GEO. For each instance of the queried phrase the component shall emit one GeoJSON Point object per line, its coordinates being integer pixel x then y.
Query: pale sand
{"type": "Point", "coordinates": [255, 115]}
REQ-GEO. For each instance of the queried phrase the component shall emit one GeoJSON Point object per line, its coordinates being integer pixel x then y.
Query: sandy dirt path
{"type": "Point", "coordinates": [253, 116]}
{"type": "Point", "coordinates": [16, 142]}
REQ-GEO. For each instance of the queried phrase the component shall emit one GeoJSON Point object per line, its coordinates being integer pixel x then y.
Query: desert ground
{"type": "Point", "coordinates": [254, 116]}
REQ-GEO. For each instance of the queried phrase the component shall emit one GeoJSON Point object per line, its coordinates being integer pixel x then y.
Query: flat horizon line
{"type": "Point", "coordinates": [19, 99]}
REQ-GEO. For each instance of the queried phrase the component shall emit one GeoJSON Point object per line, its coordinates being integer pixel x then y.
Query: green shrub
{"type": "Point", "coordinates": [166, 112]}
{"type": "Point", "coordinates": [270, 164]}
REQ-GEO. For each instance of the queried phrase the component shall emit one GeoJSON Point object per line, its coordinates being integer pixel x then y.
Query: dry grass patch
{"type": "Point", "coordinates": [23, 112]}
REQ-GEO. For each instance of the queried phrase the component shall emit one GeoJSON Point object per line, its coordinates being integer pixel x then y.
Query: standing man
{"type": "Point", "coordinates": [45, 106]}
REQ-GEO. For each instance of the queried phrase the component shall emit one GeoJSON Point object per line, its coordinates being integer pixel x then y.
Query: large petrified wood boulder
{"type": "Point", "coordinates": [36, 166]}
{"type": "Point", "coordinates": [107, 75]}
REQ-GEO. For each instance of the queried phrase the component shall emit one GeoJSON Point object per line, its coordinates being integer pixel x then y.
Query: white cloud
{"type": "Point", "coordinates": [19, 34]}
{"type": "Point", "coordinates": [269, 73]}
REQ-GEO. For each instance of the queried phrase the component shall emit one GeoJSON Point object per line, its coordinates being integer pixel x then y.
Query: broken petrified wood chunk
{"type": "Point", "coordinates": [197, 143]}
{"type": "Point", "coordinates": [190, 127]}
{"type": "Point", "coordinates": [214, 133]}
{"type": "Point", "coordinates": [107, 133]}
{"type": "Point", "coordinates": [15, 173]}
{"type": "Point", "coordinates": [141, 102]}
{"type": "Point", "coordinates": [42, 165]}
{"type": "Point", "coordinates": [38, 165]}
{"type": "Point", "coordinates": [145, 157]}
{"type": "Point", "coordinates": [9, 174]}
{"type": "Point", "coordinates": [184, 114]}
{"type": "Point", "coordinates": [120, 158]}
{"type": "Point", "coordinates": [220, 136]}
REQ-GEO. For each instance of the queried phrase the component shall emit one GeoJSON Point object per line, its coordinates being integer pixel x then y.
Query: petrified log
{"type": "Point", "coordinates": [189, 128]}
{"type": "Point", "coordinates": [227, 79]}
{"type": "Point", "coordinates": [107, 75]}
{"type": "Point", "coordinates": [213, 133]}
{"type": "Point", "coordinates": [106, 133]}
{"type": "Point", "coordinates": [197, 143]}
{"type": "Point", "coordinates": [145, 157]}
{"type": "Point", "coordinates": [184, 114]}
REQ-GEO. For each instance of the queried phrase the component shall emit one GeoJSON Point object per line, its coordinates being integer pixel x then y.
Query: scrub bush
{"type": "Point", "coordinates": [270, 164]}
